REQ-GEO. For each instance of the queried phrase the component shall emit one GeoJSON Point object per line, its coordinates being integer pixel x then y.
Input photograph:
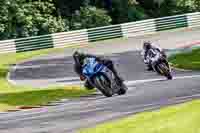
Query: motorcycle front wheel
{"type": "Point", "coordinates": [122, 90]}
{"type": "Point", "coordinates": [166, 72]}
{"type": "Point", "coordinates": [103, 85]}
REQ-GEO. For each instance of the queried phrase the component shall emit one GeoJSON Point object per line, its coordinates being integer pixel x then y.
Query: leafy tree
{"type": "Point", "coordinates": [188, 5]}
{"type": "Point", "coordinates": [117, 9]}
{"type": "Point", "coordinates": [39, 21]}
{"type": "Point", "coordinates": [158, 8]}
{"type": "Point", "coordinates": [21, 18]}
{"type": "Point", "coordinates": [90, 17]}
{"type": "Point", "coordinates": [196, 5]}
{"type": "Point", "coordinates": [5, 18]}
{"type": "Point", "coordinates": [136, 13]}
{"type": "Point", "coordinates": [66, 8]}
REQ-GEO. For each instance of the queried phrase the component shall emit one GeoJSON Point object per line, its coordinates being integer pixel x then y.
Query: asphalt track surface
{"type": "Point", "coordinates": [147, 91]}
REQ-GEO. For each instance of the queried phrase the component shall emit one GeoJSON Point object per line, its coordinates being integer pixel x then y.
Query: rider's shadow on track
{"type": "Point", "coordinates": [95, 96]}
{"type": "Point", "coordinates": [98, 96]}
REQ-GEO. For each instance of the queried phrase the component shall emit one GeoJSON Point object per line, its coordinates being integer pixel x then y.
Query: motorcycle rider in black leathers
{"type": "Point", "coordinates": [79, 60]}
{"type": "Point", "coordinates": [147, 45]}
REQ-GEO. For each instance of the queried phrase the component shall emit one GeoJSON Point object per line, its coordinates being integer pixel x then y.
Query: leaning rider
{"type": "Point", "coordinates": [79, 60]}
{"type": "Point", "coordinates": [147, 45]}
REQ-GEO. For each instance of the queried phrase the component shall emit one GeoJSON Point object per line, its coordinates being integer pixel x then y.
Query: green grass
{"type": "Point", "coordinates": [183, 118]}
{"type": "Point", "coordinates": [189, 60]}
{"type": "Point", "coordinates": [12, 96]}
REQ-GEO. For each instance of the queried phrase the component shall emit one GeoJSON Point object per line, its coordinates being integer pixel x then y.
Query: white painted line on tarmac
{"type": "Point", "coordinates": [159, 79]}
{"type": "Point", "coordinates": [8, 75]}
{"type": "Point", "coordinates": [43, 65]}
{"type": "Point", "coordinates": [37, 66]}
{"type": "Point", "coordinates": [134, 82]}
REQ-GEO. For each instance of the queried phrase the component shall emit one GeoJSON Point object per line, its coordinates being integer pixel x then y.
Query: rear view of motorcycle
{"type": "Point", "coordinates": [102, 78]}
{"type": "Point", "coordinates": [159, 64]}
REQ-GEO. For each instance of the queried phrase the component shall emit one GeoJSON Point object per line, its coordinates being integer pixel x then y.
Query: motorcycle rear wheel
{"type": "Point", "coordinates": [166, 71]}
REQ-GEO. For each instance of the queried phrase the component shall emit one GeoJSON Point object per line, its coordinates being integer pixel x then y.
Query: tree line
{"type": "Point", "coordinates": [24, 18]}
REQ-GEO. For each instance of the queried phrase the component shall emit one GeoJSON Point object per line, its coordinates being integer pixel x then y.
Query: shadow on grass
{"type": "Point", "coordinates": [3, 73]}
{"type": "Point", "coordinates": [40, 97]}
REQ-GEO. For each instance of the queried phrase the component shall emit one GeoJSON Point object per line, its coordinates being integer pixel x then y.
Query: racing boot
{"type": "Point", "coordinates": [88, 86]}
{"type": "Point", "coordinates": [149, 67]}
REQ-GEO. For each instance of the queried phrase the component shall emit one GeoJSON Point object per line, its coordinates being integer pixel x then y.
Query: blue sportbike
{"type": "Point", "coordinates": [102, 78]}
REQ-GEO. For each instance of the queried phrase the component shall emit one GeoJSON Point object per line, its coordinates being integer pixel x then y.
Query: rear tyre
{"type": "Point", "coordinates": [103, 85]}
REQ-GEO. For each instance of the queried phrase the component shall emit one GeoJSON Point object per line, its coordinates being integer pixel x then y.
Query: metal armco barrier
{"type": "Point", "coordinates": [103, 33]}
{"type": "Point", "coordinates": [138, 28]}
{"type": "Point", "coordinates": [33, 43]}
{"type": "Point", "coordinates": [171, 22]}
{"type": "Point", "coordinates": [193, 19]}
{"type": "Point", "coordinates": [59, 40]}
{"type": "Point", "coordinates": [7, 46]}
{"type": "Point", "coordinates": [73, 37]}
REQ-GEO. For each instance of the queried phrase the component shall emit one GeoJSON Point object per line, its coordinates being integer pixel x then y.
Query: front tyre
{"type": "Point", "coordinates": [169, 76]}
{"type": "Point", "coordinates": [103, 85]}
{"type": "Point", "coordinates": [166, 71]}
{"type": "Point", "coordinates": [122, 89]}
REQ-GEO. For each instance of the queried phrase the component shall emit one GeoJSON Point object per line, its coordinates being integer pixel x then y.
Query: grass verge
{"type": "Point", "coordinates": [12, 96]}
{"type": "Point", "coordinates": [183, 118]}
{"type": "Point", "coordinates": [189, 60]}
